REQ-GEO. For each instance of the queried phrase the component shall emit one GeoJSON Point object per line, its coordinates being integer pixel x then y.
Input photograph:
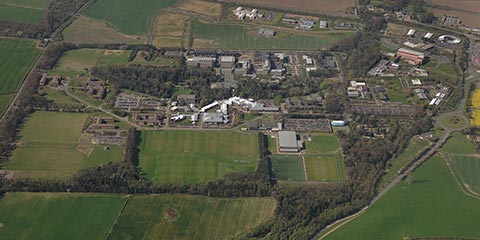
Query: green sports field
{"type": "Point", "coordinates": [191, 217]}
{"type": "Point", "coordinates": [432, 206]}
{"type": "Point", "coordinates": [225, 36]}
{"type": "Point", "coordinates": [322, 143]}
{"type": "Point", "coordinates": [58, 216]}
{"type": "Point", "coordinates": [127, 16]}
{"type": "Point", "coordinates": [49, 147]}
{"type": "Point", "coordinates": [288, 168]}
{"type": "Point", "coordinates": [16, 58]}
{"type": "Point", "coordinates": [195, 156]}
{"type": "Point", "coordinates": [325, 167]}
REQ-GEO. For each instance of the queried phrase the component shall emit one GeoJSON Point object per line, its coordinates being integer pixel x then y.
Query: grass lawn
{"type": "Point", "coordinates": [325, 168]}
{"type": "Point", "coordinates": [79, 59]}
{"type": "Point", "coordinates": [228, 36]}
{"type": "Point", "coordinates": [432, 205]}
{"type": "Point", "coordinates": [402, 159]}
{"type": "Point", "coordinates": [127, 16]}
{"type": "Point", "coordinates": [322, 143]}
{"type": "Point", "coordinates": [458, 144]}
{"type": "Point", "coordinates": [59, 97]}
{"type": "Point", "coordinates": [49, 147]}
{"type": "Point", "coordinates": [16, 58]}
{"type": "Point", "coordinates": [467, 169]}
{"type": "Point", "coordinates": [195, 156]}
{"type": "Point", "coordinates": [288, 168]}
{"type": "Point", "coordinates": [191, 217]}
{"type": "Point", "coordinates": [58, 216]}
{"type": "Point", "coordinates": [272, 144]}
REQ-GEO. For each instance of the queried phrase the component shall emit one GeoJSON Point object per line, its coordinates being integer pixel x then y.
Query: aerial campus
{"type": "Point", "coordinates": [239, 119]}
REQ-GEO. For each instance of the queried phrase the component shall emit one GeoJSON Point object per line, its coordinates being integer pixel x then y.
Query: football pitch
{"type": "Point", "coordinates": [228, 36]}
{"type": "Point", "coordinates": [196, 156]}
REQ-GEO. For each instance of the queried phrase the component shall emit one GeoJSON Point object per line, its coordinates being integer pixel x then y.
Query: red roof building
{"type": "Point", "coordinates": [411, 56]}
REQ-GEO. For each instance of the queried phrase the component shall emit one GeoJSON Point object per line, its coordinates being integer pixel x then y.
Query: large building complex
{"type": "Point", "coordinates": [411, 56]}
{"type": "Point", "coordinates": [288, 142]}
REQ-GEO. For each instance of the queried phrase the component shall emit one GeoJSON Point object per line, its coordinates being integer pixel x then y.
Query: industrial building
{"type": "Point", "coordinates": [411, 56]}
{"type": "Point", "coordinates": [288, 141]}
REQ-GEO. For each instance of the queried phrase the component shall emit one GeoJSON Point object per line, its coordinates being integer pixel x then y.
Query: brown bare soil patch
{"type": "Point", "coordinates": [467, 5]}
{"type": "Point", "coordinates": [202, 7]}
{"type": "Point", "coordinates": [334, 7]}
{"type": "Point", "coordinates": [170, 213]}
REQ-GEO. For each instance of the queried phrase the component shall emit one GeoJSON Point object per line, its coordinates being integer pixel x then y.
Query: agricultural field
{"type": "Point", "coordinates": [288, 168]}
{"type": "Point", "coordinates": [468, 18]}
{"type": "Point", "coordinates": [88, 30]}
{"type": "Point", "coordinates": [58, 215]}
{"type": "Point", "coordinates": [402, 159]}
{"type": "Point", "coordinates": [432, 205]}
{"type": "Point", "coordinates": [191, 217]}
{"type": "Point", "coordinates": [126, 16]}
{"type": "Point", "coordinates": [169, 30]}
{"type": "Point", "coordinates": [227, 36]}
{"type": "Point", "coordinates": [196, 156]}
{"type": "Point", "coordinates": [466, 5]}
{"type": "Point", "coordinates": [475, 121]}
{"type": "Point", "coordinates": [330, 7]}
{"type": "Point", "coordinates": [79, 59]}
{"type": "Point", "coordinates": [16, 58]}
{"type": "Point", "coordinates": [23, 11]}
{"type": "Point", "coordinates": [51, 147]}
{"type": "Point", "coordinates": [467, 169]}
{"type": "Point", "coordinates": [201, 7]}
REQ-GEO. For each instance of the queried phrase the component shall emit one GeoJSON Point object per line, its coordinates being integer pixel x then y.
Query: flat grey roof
{"type": "Point", "coordinates": [287, 139]}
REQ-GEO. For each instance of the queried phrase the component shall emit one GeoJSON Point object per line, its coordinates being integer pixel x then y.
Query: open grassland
{"type": "Point", "coordinates": [58, 216]}
{"type": "Point", "coordinates": [467, 168]}
{"type": "Point", "coordinates": [127, 16]}
{"type": "Point", "coordinates": [322, 143]}
{"type": "Point", "coordinates": [325, 168]}
{"type": "Point", "coordinates": [432, 205]}
{"type": "Point", "coordinates": [195, 156]}
{"type": "Point", "coordinates": [88, 30]}
{"type": "Point", "coordinates": [288, 168]}
{"type": "Point", "coordinates": [169, 30]}
{"type": "Point", "coordinates": [227, 36]}
{"type": "Point", "coordinates": [402, 159]}
{"type": "Point", "coordinates": [58, 97]}
{"type": "Point", "coordinates": [433, 66]}
{"type": "Point", "coordinates": [16, 58]}
{"type": "Point", "coordinates": [475, 108]}
{"type": "Point", "coordinates": [333, 7]}
{"type": "Point", "coordinates": [79, 59]}
{"type": "Point", "coordinates": [191, 217]}
{"type": "Point", "coordinates": [458, 144]}
{"type": "Point", "coordinates": [201, 7]}
{"type": "Point", "coordinates": [50, 147]}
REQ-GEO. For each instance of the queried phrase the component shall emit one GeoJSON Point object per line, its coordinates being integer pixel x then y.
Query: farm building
{"type": "Point", "coordinates": [411, 56]}
{"type": "Point", "coordinates": [323, 24]}
{"type": "Point", "coordinates": [288, 141]}
{"type": "Point", "coordinates": [266, 32]}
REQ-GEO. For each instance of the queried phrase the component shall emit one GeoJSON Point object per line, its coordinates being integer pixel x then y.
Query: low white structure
{"type": "Point", "coordinates": [411, 32]}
